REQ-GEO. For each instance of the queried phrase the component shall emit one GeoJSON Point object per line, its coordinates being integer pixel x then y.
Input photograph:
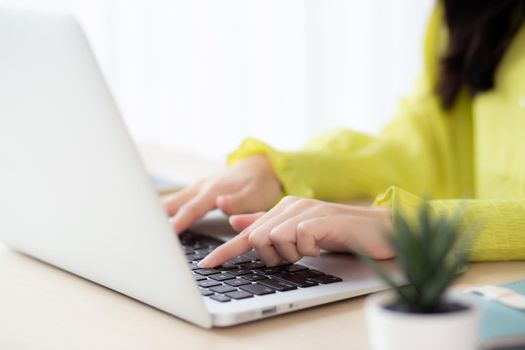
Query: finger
{"type": "Point", "coordinates": [344, 233]}
{"type": "Point", "coordinates": [174, 201]}
{"type": "Point", "coordinates": [242, 221]}
{"type": "Point", "coordinates": [365, 235]}
{"type": "Point", "coordinates": [229, 250]}
{"type": "Point", "coordinates": [284, 238]}
{"type": "Point", "coordinates": [259, 231]}
{"type": "Point", "coordinates": [264, 248]}
{"type": "Point", "coordinates": [262, 244]}
{"type": "Point", "coordinates": [283, 206]}
{"type": "Point", "coordinates": [311, 231]}
{"type": "Point", "coordinates": [287, 239]}
{"type": "Point", "coordinates": [193, 210]}
{"type": "Point", "coordinates": [235, 203]}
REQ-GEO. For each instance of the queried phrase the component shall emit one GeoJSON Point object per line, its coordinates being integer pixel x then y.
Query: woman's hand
{"type": "Point", "coordinates": [298, 227]}
{"type": "Point", "coordinates": [250, 185]}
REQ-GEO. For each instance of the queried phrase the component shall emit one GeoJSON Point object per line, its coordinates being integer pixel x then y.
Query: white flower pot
{"type": "Point", "coordinates": [395, 330]}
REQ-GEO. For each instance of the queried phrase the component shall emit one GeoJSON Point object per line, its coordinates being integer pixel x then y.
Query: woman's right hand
{"type": "Point", "coordinates": [249, 186]}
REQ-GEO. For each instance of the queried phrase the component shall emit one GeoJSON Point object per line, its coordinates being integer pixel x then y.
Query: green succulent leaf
{"type": "Point", "coordinates": [384, 276]}
{"type": "Point", "coordinates": [431, 252]}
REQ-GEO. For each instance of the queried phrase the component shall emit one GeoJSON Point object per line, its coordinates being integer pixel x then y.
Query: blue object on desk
{"type": "Point", "coordinates": [164, 185]}
{"type": "Point", "coordinates": [503, 327]}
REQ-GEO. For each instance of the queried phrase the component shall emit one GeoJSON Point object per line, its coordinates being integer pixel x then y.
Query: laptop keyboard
{"type": "Point", "coordinates": [245, 276]}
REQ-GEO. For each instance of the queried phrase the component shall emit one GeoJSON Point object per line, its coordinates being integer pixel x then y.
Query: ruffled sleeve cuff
{"type": "Point", "coordinates": [399, 200]}
{"type": "Point", "coordinates": [282, 164]}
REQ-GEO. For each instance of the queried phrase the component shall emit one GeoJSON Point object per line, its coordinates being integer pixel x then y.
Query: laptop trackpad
{"type": "Point", "coordinates": [214, 224]}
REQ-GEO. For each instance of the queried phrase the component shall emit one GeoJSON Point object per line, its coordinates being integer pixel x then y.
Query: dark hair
{"type": "Point", "coordinates": [479, 33]}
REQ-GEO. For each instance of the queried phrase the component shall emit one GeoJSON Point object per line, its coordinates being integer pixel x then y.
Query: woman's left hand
{"type": "Point", "coordinates": [298, 227]}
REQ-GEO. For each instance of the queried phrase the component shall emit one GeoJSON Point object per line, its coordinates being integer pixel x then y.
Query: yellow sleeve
{"type": "Point", "coordinates": [420, 150]}
{"type": "Point", "coordinates": [502, 234]}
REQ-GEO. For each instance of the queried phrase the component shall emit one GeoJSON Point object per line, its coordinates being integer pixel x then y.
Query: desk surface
{"type": "Point", "coordinates": [42, 307]}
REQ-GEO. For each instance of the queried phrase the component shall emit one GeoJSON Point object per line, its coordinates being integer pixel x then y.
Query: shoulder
{"type": "Point", "coordinates": [434, 45]}
{"type": "Point", "coordinates": [510, 74]}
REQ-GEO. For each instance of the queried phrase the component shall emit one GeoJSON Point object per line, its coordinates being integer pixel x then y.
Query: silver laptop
{"type": "Point", "coordinates": [75, 194]}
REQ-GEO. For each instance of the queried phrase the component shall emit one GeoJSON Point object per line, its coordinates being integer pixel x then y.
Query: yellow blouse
{"type": "Point", "coordinates": [475, 151]}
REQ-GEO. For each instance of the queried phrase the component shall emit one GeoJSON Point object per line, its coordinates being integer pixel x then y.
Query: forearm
{"type": "Point", "coordinates": [327, 174]}
{"type": "Point", "coordinates": [499, 225]}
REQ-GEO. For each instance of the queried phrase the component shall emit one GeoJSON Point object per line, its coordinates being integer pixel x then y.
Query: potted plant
{"type": "Point", "coordinates": [423, 314]}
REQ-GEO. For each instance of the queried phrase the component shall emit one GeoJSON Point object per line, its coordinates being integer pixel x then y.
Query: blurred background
{"type": "Point", "coordinates": [200, 75]}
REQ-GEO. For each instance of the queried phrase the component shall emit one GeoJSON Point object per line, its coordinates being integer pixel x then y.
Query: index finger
{"type": "Point", "coordinates": [173, 201]}
{"type": "Point", "coordinates": [191, 211]}
{"type": "Point", "coordinates": [229, 250]}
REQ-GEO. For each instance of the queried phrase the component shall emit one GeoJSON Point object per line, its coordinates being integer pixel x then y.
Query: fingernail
{"type": "Point", "coordinates": [173, 224]}
{"type": "Point", "coordinates": [203, 263]}
{"type": "Point", "coordinates": [220, 201]}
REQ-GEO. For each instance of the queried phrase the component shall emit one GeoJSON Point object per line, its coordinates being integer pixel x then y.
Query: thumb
{"type": "Point", "coordinates": [240, 222]}
{"type": "Point", "coordinates": [234, 203]}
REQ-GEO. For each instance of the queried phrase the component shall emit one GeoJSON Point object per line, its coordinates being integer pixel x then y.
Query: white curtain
{"type": "Point", "coordinates": [200, 75]}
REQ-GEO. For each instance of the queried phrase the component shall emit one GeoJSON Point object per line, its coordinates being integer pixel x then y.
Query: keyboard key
{"type": "Point", "coordinates": [196, 256]}
{"type": "Point", "coordinates": [294, 279]}
{"type": "Point", "coordinates": [220, 297]}
{"type": "Point", "coordinates": [237, 282]}
{"type": "Point", "coordinates": [206, 292]}
{"type": "Point", "coordinates": [223, 289]}
{"type": "Point", "coordinates": [309, 273]}
{"type": "Point", "coordinates": [252, 254]}
{"type": "Point", "coordinates": [325, 279]}
{"type": "Point", "coordinates": [294, 268]}
{"type": "Point", "coordinates": [257, 289]}
{"type": "Point", "coordinates": [188, 250]}
{"type": "Point", "coordinates": [242, 271]}
{"type": "Point", "coordinates": [207, 272]}
{"type": "Point", "coordinates": [254, 277]}
{"type": "Point", "coordinates": [269, 270]}
{"type": "Point", "coordinates": [193, 266]}
{"type": "Point", "coordinates": [199, 277]}
{"type": "Point", "coordinates": [227, 266]}
{"type": "Point", "coordinates": [280, 286]}
{"type": "Point", "coordinates": [186, 239]}
{"type": "Point", "coordinates": [208, 283]}
{"type": "Point", "coordinates": [197, 241]}
{"type": "Point", "coordinates": [204, 251]}
{"type": "Point", "coordinates": [252, 265]}
{"type": "Point", "coordinates": [240, 294]}
{"type": "Point", "coordinates": [222, 276]}
{"type": "Point", "coordinates": [239, 260]}
{"type": "Point", "coordinates": [239, 272]}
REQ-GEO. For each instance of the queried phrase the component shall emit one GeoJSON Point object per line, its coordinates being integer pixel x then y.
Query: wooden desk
{"type": "Point", "coordinates": [42, 307]}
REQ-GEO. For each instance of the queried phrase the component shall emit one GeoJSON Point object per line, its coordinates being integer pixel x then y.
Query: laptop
{"type": "Point", "coordinates": [75, 194]}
